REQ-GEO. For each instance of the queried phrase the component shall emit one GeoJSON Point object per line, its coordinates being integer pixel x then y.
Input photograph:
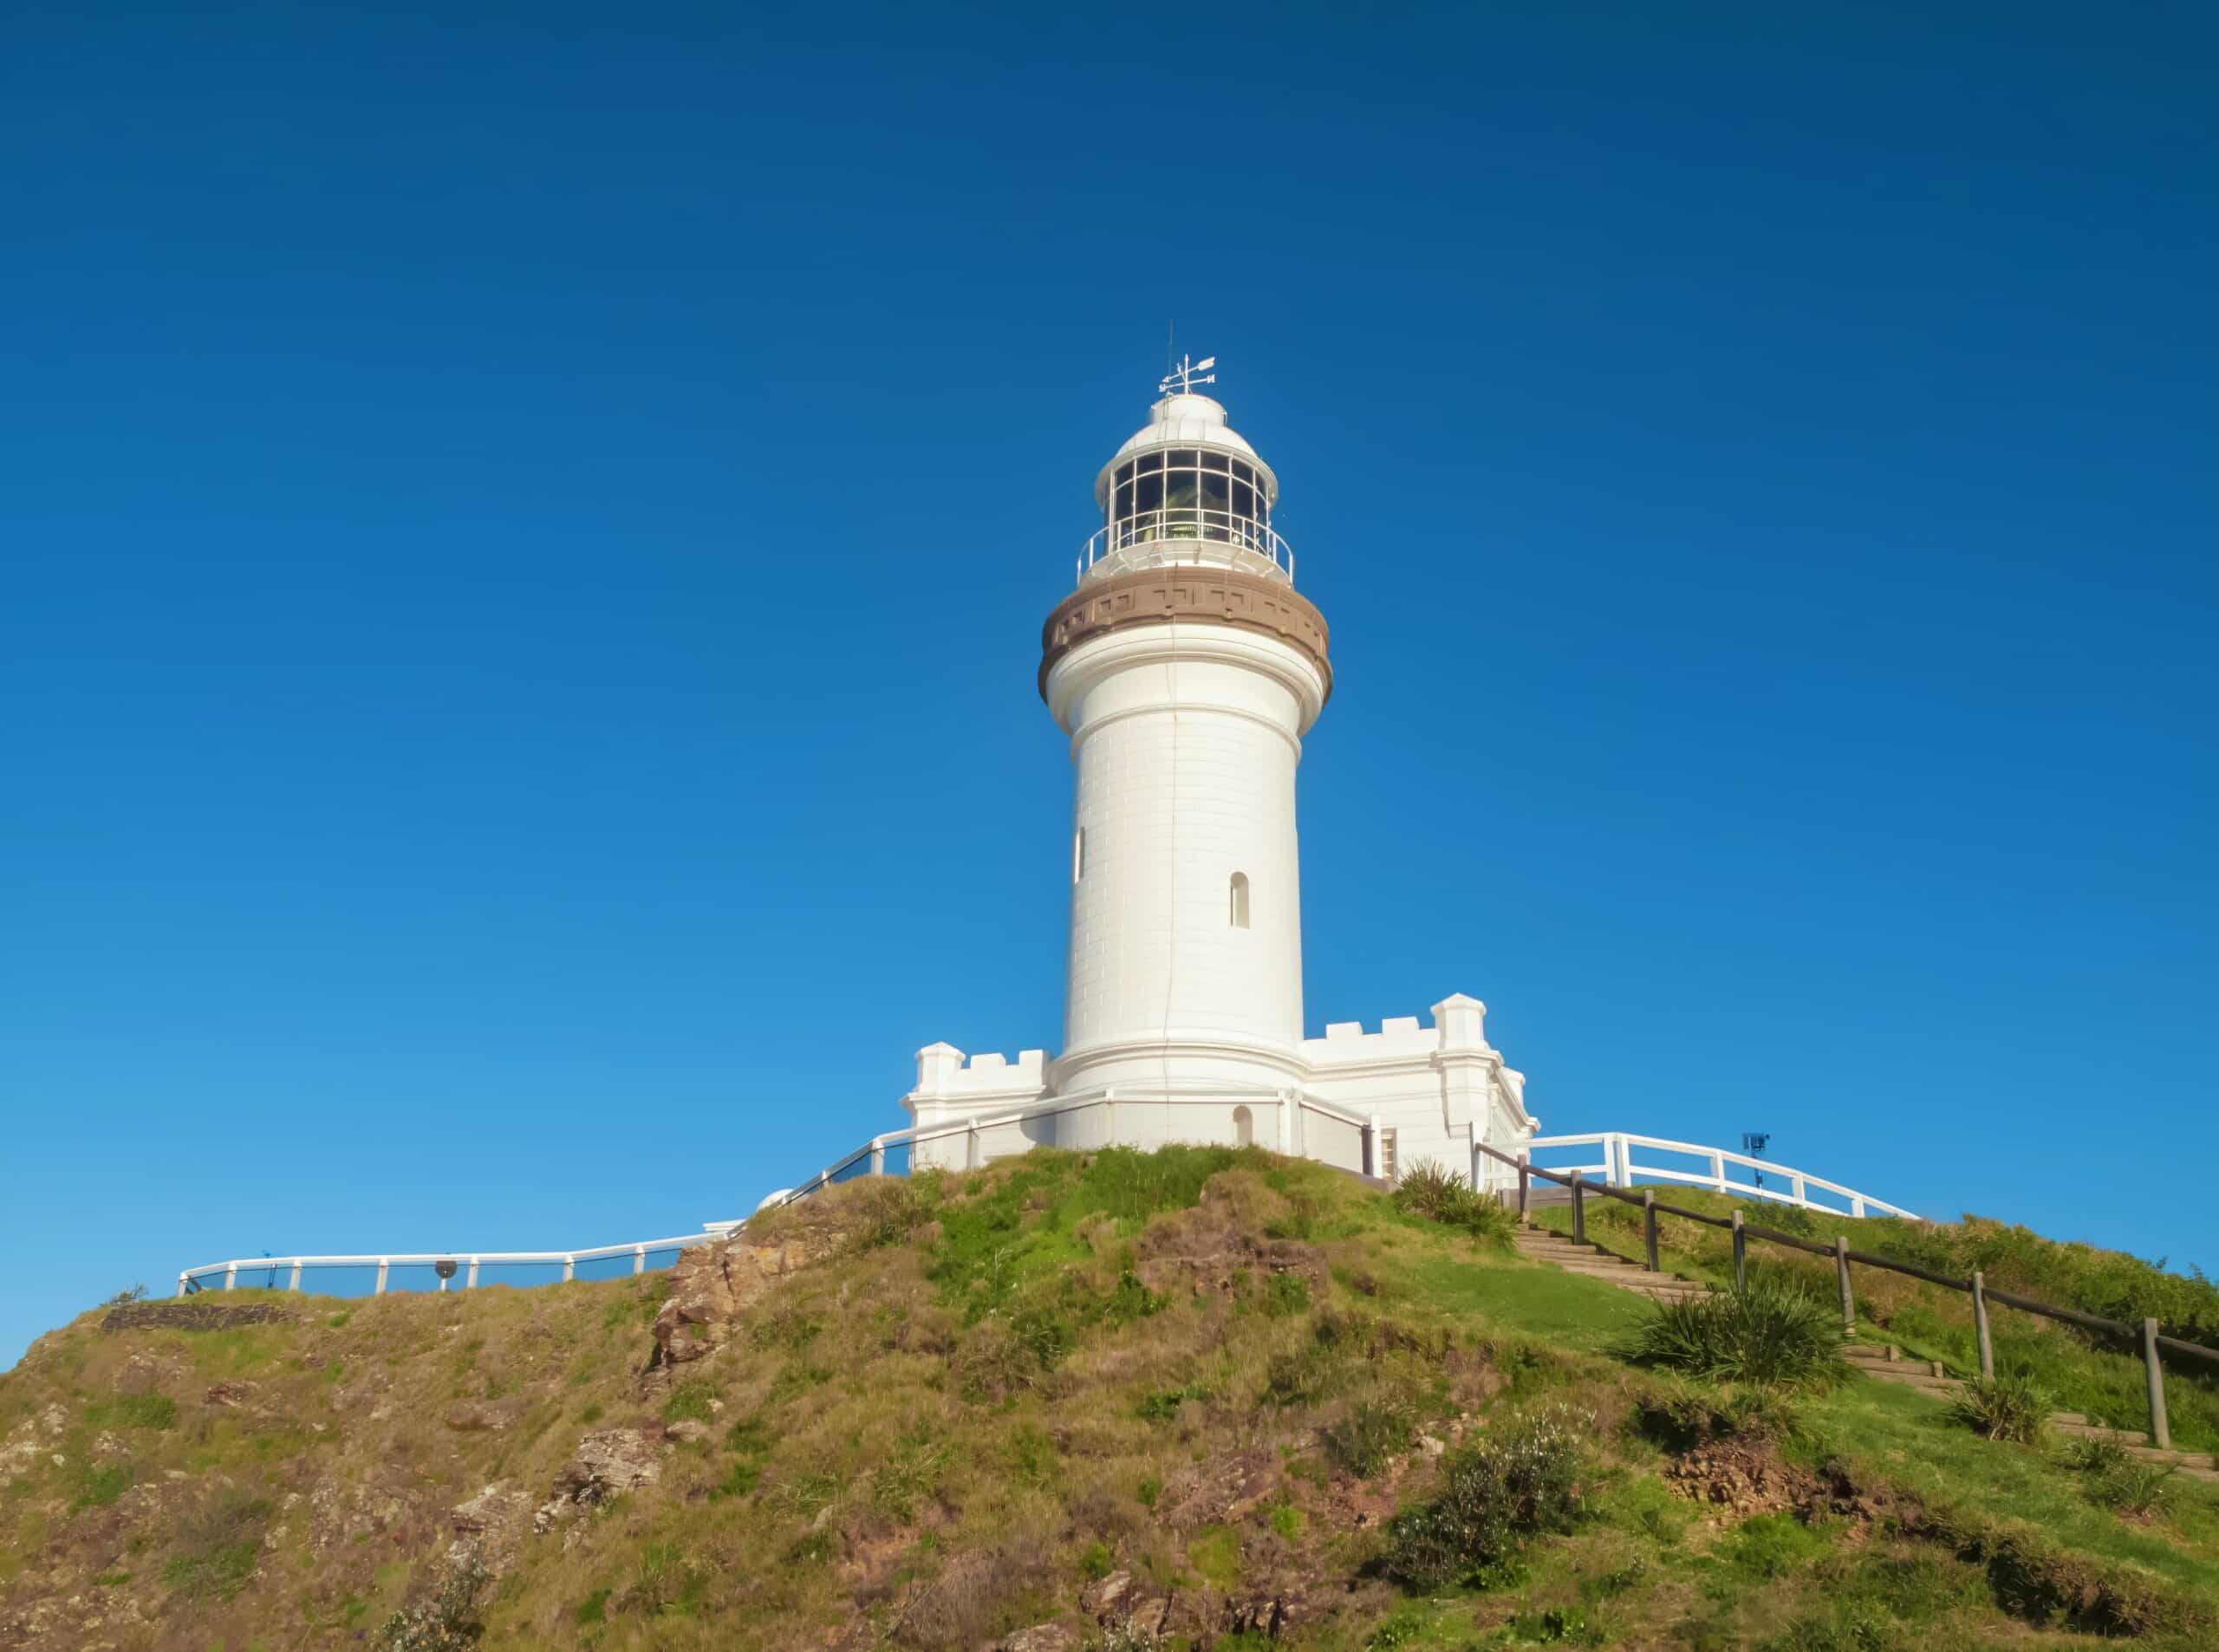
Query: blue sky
{"type": "Point", "coordinates": [1756, 464]}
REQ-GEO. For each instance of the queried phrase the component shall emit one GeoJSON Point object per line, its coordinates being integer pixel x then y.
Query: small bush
{"type": "Point", "coordinates": [1770, 1331]}
{"type": "Point", "coordinates": [1164, 1404]}
{"type": "Point", "coordinates": [2012, 1406]}
{"type": "Point", "coordinates": [1373, 1433]}
{"type": "Point", "coordinates": [2115, 1479]}
{"type": "Point", "coordinates": [1524, 1479]}
{"type": "Point", "coordinates": [893, 1207]}
{"type": "Point", "coordinates": [1287, 1295]}
{"type": "Point", "coordinates": [1439, 1195]}
{"type": "Point", "coordinates": [124, 1297]}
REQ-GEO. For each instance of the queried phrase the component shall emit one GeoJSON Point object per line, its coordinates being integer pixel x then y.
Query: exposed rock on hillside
{"type": "Point", "coordinates": [712, 1285]}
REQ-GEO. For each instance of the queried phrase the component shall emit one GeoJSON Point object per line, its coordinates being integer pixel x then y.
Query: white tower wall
{"type": "Point", "coordinates": [1185, 738]}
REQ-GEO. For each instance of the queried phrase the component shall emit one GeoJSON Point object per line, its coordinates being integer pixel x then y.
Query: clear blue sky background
{"type": "Point", "coordinates": [1756, 462]}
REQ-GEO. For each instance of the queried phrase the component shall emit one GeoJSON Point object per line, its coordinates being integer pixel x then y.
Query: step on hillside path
{"type": "Point", "coordinates": [1880, 1361]}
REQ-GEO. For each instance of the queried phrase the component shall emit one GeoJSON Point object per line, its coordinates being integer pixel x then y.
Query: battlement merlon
{"type": "Point", "coordinates": [949, 1084]}
{"type": "Point", "coordinates": [1474, 1083]}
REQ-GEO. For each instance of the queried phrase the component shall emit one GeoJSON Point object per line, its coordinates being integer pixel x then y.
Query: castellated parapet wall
{"type": "Point", "coordinates": [1436, 1088]}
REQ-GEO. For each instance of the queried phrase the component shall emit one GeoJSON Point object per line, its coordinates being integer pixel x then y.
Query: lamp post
{"type": "Point", "coordinates": [445, 1268]}
{"type": "Point", "coordinates": [1753, 1143]}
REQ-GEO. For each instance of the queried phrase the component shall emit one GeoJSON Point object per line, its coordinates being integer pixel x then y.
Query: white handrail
{"type": "Point", "coordinates": [1619, 1170]}
{"type": "Point", "coordinates": [638, 1250]}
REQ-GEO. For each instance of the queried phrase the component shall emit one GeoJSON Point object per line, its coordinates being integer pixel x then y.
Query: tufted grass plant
{"type": "Point", "coordinates": [1439, 1195]}
{"type": "Point", "coordinates": [1772, 1332]}
{"type": "Point", "coordinates": [2010, 1406]}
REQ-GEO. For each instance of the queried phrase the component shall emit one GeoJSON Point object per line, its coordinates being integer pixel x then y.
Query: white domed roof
{"type": "Point", "coordinates": [1184, 420]}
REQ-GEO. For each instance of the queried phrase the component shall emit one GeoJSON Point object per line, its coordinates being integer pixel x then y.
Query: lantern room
{"type": "Point", "coordinates": [1187, 488]}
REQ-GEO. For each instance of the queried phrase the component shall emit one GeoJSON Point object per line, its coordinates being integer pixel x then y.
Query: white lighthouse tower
{"type": "Point", "coordinates": [1186, 671]}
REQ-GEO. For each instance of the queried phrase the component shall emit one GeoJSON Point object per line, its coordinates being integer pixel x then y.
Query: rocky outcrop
{"type": "Point", "coordinates": [613, 1460]}
{"type": "Point", "coordinates": [490, 1525]}
{"type": "Point", "coordinates": [712, 1285]}
{"type": "Point", "coordinates": [1150, 1613]}
{"type": "Point", "coordinates": [190, 1313]}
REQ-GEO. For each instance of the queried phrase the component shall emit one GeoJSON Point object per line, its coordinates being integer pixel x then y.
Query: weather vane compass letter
{"type": "Point", "coordinates": [1182, 379]}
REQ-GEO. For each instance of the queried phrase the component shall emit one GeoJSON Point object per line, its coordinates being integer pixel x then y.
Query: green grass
{"type": "Point", "coordinates": [1004, 1386]}
{"type": "Point", "coordinates": [2102, 1382]}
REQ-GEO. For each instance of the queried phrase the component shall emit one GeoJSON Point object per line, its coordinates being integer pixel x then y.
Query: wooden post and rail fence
{"type": "Point", "coordinates": [2153, 1344]}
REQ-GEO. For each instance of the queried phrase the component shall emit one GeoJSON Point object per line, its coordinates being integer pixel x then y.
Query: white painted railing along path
{"type": "Point", "coordinates": [1617, 1167]}
{"type": "Point", "coordinates": [1618, 1170]}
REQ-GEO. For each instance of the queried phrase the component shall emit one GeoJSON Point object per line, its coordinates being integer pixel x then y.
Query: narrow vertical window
{"type": "Point", "coordinates": [1239, 899]}
{"type": "Point", "coordinates": [1078, 854]}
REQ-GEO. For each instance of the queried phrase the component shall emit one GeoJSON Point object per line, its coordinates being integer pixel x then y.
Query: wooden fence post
{"type": "Point", "coordinates": [2161, 1435]}
{"type": "Point", "coordinates": [1980, 1328]}
{"type": "Point", "coordinates": [1525, 1184]}
{"type": "Point", "coordinates": [1841, 1272]}
{"type": "Point", "coordinates": [1648, 1227]}
{"type": "Point", "coordinates": [1741, 1254]}
{"type": "Point", "coordinates": [1579, 1210]}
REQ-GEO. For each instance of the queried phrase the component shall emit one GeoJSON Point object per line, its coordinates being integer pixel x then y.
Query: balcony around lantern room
{"type": "Point", "coordinates": [1196, 538]}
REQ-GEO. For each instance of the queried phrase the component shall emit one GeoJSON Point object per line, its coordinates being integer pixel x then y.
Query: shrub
{"type": "Point", "coordinates": [2114, 1478]}
{"type": "Point", "coordinates": [2135, 1487]}
{"type": "Point", "coordinates": [126, 1295]}
{"type": "Point", "coordinates": [1524, 1479]}
{"type": "Point", "coordinates": [893, 1207]}
{"type": "Point", "coordinates": [2012, 1406]}
{"type": "Point", "coordinates": [1771, 1330]}
{"type": "Point", "coordinates": [1439, 1195]}
{"type": "Point", "coordinates": [1372, 1433]}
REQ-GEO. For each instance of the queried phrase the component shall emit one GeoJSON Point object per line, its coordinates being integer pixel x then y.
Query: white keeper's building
{"type": "Point", "coordinates": [1188, 671]}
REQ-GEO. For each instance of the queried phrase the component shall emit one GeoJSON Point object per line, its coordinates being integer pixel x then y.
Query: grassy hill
{"type": "Point", "coordinates": [1196, 1398]}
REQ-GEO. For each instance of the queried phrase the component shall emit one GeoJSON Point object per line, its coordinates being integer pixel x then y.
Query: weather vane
{"type": "Point", "coordinates": [1183, 376]}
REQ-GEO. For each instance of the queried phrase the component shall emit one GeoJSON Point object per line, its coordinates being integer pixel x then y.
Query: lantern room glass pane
{"type": "Point", "coordinates": [1150, 462]}
{"type": "Point", "coordinates": [1215, 461]}
{"type": "Point", "coordinates": [1124, 474]}
{"type": "Point", "coordinates": [1124, 502]}
{"type": "Point", "coordinates": [1182, 458]}
{"type": "Point", "coordinates": [1241, 472]}
{"type": "Point", "coordinates": [1179, 491]}
{"type": "Point", "coordinates": [1147, 493]}
{"type": "Point", "coordinates": [1244, 498]}
{"type": "Point", "coordinates": [1213, 492]}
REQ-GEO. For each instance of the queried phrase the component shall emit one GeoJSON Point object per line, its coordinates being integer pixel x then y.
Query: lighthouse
{"type": "Point", "coordinates": [1186, 671]}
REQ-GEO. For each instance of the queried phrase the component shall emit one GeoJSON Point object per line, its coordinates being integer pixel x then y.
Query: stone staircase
{"type": "Point", "coordinates": [1881, 1361]}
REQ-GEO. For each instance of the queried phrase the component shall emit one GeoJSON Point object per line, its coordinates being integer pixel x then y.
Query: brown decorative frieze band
{"type": "Point", "coordinates": [1159, 596]}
